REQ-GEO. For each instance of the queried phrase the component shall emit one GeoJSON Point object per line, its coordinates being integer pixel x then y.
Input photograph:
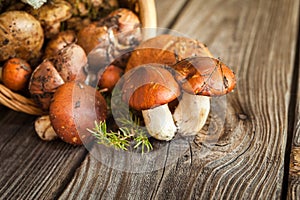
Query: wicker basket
{"type": "Point", "coordinates": [17, 102]}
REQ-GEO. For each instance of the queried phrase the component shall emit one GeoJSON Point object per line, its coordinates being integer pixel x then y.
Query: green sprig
{"type": "Point", "coordinates": [121, 139]}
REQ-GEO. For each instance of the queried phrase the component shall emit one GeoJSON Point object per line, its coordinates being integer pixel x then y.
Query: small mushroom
{"type": "Point", "coordinates": [109, 38]}
{"type": "Point", "coordinates": [109, 76]}
{"type": "Point", "coordinates": [200, 78]}
{"type": "Point", "coordinates": [16, 74]}
{"type": "Point", "coordinates": [43, 83]}
{"type": "Point", "coordinates": [67, 65]}
{"type": "Point", "coordinates": [74, 109]}
{"type": "Point", "coordinates": [60, 41]}
{"type": "Point", "coordinates": [92, 35]}
{"type": "Point", "coordinates": [44, 128]}
{"type": "Point", "coordinates": [149, 89]}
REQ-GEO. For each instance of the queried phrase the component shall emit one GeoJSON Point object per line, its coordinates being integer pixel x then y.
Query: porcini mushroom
{"type": "Point", "coordinates": [149, 88]}
{"type": "Point", "coordinates": [74, 109]}
{"type": "Point", "coordinates": [200, 78]}
{"type": "Point", "coordinates": [67, 65]}
{"type": "Point", "coordinates": [21, 35]}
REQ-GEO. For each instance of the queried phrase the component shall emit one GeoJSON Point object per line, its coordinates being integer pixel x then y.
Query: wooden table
{"type": "Point", "coordinates": [257, 154]}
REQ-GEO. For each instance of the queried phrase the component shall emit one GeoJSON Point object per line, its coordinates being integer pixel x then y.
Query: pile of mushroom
{"type": "Point", "coordinates": [166, 68]}
{"type": "Point", "coordinates": [44, 56]}
{"type": "Point", "coordinates": [168, 79]}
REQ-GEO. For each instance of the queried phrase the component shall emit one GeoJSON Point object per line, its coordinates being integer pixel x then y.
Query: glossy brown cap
{"type": "Point", "coordinates": [166, 49]}
{"type": "Point", "coordinates": [149, 86]}
{"type": "Point", "coordinates": [205, 76]}
{"type": "Point", "coordinates": [74, 109]}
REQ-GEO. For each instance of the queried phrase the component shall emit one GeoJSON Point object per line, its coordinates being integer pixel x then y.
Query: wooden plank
{"type": "Point", "coordinates": [31, 168]}
{"type": "Point", "coordinates": [294, 171]}
{"type": "Point", "coordinates": [167, 13]}
{"type": "Point", "coordinates": [243, 155]}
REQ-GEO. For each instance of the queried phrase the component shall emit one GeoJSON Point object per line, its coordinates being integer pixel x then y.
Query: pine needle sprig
{"type": "Point", "coordinates": [130, 130]}
{"type": "Point", "coordinates": [109, 138]}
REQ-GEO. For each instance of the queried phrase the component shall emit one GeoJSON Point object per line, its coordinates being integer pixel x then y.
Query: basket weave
{"type": "Point", "coordinates": [17, 102]}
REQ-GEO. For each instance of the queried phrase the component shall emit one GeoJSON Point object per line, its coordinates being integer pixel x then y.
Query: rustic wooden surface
{"type": "Point", "coordinates": [249, 158]}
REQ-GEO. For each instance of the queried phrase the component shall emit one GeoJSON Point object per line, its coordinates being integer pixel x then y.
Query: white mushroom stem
{"type": "Point", "coordinates": [191, 113]}
{"type": "Point", "coordinates": [159, 122]}
{"type": "Point", "coordinates": [44, 128]}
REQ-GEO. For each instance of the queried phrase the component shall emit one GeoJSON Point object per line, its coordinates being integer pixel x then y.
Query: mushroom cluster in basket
{"type": "Point", "coordinates": [69, 60]}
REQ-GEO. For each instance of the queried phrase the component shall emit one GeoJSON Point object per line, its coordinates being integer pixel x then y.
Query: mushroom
{"type": "Point", "coordinates": [149, 88]}
{"type": "Point", "coordinates": [93, 9]}
{"type": "Point", "coordinates": [21, 36]}
{"type": "Point", "coordinates": [119, 31]}
{"type": "Point", "coordinates": [61, 40]}
{"type": "Point", "coordinates": [67, 65]}
{"type": "Point", "coordinates": [166, 49]}
{"type": "Point", "coordinates": [191, 113]}
{"type": "Point", "coordinates": [16, 73]}
{"type": "Point", "coordinates": [200, 78]}
{"type": "Point", "coordinates": [51, 15]}
{"type": "Point", "coordinates": [44, 128]}
{"type": "Point", "coordinates": [74, 109]}
{"type": "Point", "coordinates": [109, 39]}
{"type": "Point", "coordinates": [109, 76]}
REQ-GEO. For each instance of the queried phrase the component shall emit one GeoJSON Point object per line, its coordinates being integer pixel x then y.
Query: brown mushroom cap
{"type": "Point", "coordinates": [109, 76]}
{"type": "Point", "coordinates": [166, 49]}
{"type": "Point", "coordinates": [67, 65]}
{"type": "Point", "coordinates": [74, 109]}
{"type": "Point", "coordinates": [204, 76]}
{"type": "Point", "coordinates": [60, 41]}
{"type": "Point", "coordinates": [21, 35]}
{"type": "Point", "coordinates": [43, 83]}
{"type": "Point", "coordinates": [16, 74]}
{"type": "Point", "coordinates": [149, 86]}
{"type": "Point", "coordinates": [126, 25]}
{"type": "Point", "coordinates": [70, 62]}
{"type": "Point", "coordinates": [51, 15]}
{"type": "Point", "coordinates": [92, 35]}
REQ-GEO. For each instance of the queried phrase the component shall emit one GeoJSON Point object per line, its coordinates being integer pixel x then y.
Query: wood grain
{"type": "Point", "coordinates": [167, 12]}
{"type": "Point", "coordinates": [31, 168]}
{"type": "Point", "coordinates": [241, 156]}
